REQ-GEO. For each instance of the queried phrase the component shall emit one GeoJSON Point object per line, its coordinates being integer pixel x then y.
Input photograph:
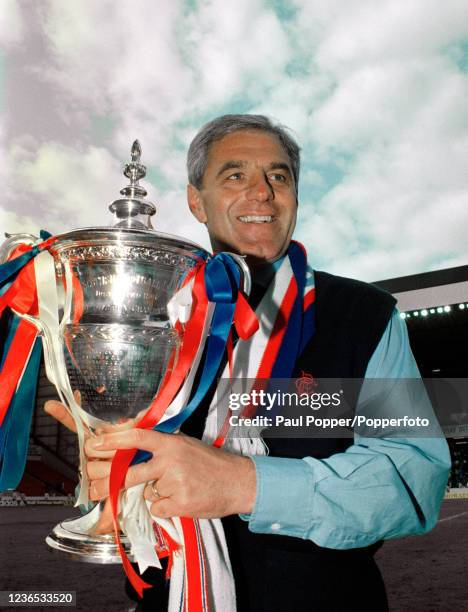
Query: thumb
{"type": "Point", "coordinates": [60, 412]}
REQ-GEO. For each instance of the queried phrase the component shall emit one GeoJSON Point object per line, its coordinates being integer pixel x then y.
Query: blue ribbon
{"type": "Point", "coordinates": [222, 280]}
{"type": "Point", "coordinates": [14, 432]}
{"type": "Point", "coordinates": [289, 349]}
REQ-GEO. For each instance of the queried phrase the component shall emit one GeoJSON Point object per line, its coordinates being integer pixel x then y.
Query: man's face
{"type": "Point", "coordinates": [248, 198]}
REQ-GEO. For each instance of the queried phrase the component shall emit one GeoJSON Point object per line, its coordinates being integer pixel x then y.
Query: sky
{"type": "Point", "coordinates": [374, 92]}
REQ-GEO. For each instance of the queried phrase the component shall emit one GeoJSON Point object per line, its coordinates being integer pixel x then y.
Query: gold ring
{"type": "Point", "coordinates": [154, 489]}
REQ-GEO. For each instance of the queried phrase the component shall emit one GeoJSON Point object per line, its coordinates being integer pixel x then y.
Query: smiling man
{"type": "Point", "coordinates": [246, 195]}
{"type": "Point", "coordinates": [303, 520]}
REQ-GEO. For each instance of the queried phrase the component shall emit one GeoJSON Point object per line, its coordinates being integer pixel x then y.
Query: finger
{"type": "Point", "coordinates": [123, 425]}
{"type": "Point", "coordinates": [98, 469]}
{"type": "Point", "coordinates": [163, 508]}
{"type": "Point", "coordinates": [111, 427]}
{"type": "Point", "coordinates": [137, 474]}
{"type": "Point", "coordinates": [131, 439]}
{"type": "Point", "coordinates": [99, 489]}
{"type": "Point", "coordinates": [154, 491]}
{"type": "Point", "coordinates": [57, 410]}
{"type": "Point", "coordinates": [93, 453]}
{"type": "Point", "coordinates": [143, 472]}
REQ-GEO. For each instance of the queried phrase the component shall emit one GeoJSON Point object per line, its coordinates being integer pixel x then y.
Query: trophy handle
{"type": "Point", "coordinates": [12, 241]}
{"type": "Point", "coordinates": [247, 277]}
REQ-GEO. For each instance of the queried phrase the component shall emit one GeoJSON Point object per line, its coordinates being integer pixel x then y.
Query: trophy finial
{"type": "Point", "coordinates": [133, 211]}
{"type": "Point", "coordinates": [135, 170]}
{"type": "Point", "coordinates": [136, 151]}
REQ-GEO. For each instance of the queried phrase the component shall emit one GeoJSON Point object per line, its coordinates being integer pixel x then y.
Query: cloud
{"type": "Point", "coordinates": [60, 186]}
{"type": "Point", "coordinates": [151, 68]}
{"type": "Point", "coordinates": [375, 93]}
{"type": "Point", "coordinates": [396, 122]}
{"type": "Point", "coordinates": [11, 23]}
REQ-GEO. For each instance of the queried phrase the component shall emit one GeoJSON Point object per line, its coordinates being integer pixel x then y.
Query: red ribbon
{"type": "Point", "coordinates": [245, 319]}
{"type": "Point", "coordinates": [14, 364]}
{"type": "Point", "coordinates": [194, 563]}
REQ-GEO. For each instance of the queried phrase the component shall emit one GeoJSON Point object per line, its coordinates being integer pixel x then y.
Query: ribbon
{"type": "Point", "coordinates": [195, 590]}
{"type": "Point", "coordinates": [291, 328]}
{"type": "Point", "coordinates": [10, 270]}
{"type": "Point", "coordinates": [14, 432]}
{"type": "Point", "coordinates": [16, 359]}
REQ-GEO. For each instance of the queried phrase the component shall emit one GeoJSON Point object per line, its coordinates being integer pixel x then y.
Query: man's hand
{"type": "Point", "coordinates": [192, 478]}
{"type": "Point", "coordinates": [60, 412]}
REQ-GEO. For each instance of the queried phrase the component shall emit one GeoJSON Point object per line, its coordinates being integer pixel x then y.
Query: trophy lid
{"type": "Point", "coordinates": [132, 224]}
{"type": "Point", "coordinates": [133, 211]}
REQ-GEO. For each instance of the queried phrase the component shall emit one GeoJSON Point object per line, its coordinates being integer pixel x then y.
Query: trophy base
{"type": "Point", "coordinates": [74, 539]}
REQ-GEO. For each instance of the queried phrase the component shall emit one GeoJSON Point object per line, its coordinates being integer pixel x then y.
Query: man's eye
{"type": "Point", "coordinates": [234, 177]}
{"type": "Point", "coordinates": [277, 177]}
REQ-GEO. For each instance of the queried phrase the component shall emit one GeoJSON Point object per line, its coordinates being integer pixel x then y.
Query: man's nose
{"type": "Point", "coordinates": [259, 189]}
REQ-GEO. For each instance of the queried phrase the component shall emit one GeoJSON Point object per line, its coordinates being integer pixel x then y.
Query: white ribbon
{"type": "Point", "coordinates": [48, 323]}
{"type": "Point", "coordinates": [179, 307]}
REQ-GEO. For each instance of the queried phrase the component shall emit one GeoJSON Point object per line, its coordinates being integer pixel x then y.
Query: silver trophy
{"type": "Point", "coordinates": [111, 337]}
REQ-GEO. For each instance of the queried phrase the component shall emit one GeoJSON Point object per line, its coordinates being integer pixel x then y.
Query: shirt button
{"type": "Point", "coordinates": [276, 526]}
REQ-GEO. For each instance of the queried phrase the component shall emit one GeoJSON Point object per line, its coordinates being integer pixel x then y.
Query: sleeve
{"type": "Point", "coordinates": [379, 488]}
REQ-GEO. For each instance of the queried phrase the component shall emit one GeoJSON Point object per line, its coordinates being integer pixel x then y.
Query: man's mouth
{"type": "Point", "coordinates": [256, 218]}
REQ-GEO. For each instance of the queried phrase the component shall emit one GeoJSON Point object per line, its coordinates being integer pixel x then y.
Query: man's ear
{"type": "Point", "coordinates": [195, 202]}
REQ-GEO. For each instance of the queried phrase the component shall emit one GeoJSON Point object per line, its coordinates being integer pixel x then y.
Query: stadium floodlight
{"type": "Point", "coordinates": [447, 309]}
{"type": "Point", "coordinates": [424, 312]}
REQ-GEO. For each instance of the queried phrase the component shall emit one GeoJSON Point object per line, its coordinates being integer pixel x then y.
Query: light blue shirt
{"type": "Point", "coordinates": [379, 488]}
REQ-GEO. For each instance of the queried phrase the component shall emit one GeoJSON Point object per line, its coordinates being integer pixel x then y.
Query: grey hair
{"type": "Point", "coordinates": [197, 156]}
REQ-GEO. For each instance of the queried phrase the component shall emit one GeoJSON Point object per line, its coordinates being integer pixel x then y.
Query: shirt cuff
{"type": "Point", "coordinates": [283, 503]}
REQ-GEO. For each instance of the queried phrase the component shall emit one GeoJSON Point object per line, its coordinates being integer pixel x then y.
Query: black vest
{"type": "Point", "coordinates": [275, 572]}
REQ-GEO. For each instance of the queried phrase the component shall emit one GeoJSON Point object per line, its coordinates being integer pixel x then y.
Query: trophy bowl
{"type": "Point", "coordinates": [115, 337]}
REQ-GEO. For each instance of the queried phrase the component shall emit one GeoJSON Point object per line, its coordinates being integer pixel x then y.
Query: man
{"type": "Point", "coordinates": [314, 511]}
